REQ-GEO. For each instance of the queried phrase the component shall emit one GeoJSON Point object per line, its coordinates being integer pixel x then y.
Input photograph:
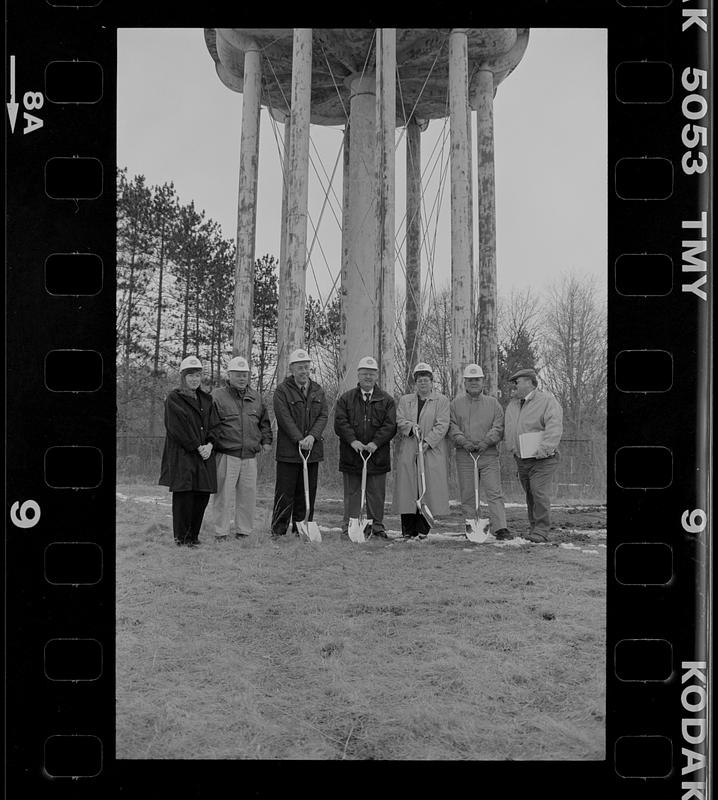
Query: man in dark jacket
{"type": "Point", "coordinates": [301, 411]}
{"type": "Point", "coordinates": [244, 431]}
{"type": "Point", "coordinates": [365, 421]}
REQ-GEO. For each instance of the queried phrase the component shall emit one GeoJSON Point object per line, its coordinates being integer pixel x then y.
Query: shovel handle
{"type": "Point", "coordinates": [305, 471]}
{"type": "Point", "coordinates": [363, 483]}
{"type": "Point", "coordinates": [476, 483]}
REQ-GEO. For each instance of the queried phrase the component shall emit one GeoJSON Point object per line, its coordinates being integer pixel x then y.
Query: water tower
{"type": "Point", "coordinates": [371, 81]}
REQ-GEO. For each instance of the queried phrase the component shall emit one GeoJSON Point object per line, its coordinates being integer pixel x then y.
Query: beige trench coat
{"type": "Point", "coordinates": [434, 425]}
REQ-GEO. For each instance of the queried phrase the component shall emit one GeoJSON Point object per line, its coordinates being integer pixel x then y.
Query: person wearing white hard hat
{"type": "Point", "coordinates": [477, 426]}
{"type": "Point", "coordinates": [365, 422]}
{"type": "Point", "coordinates": [300, 407]}
{"type": "Point", "coordinates": [188, 462]}
{"type": "Point", "coordinates": [245, 430]}
{"type": "Point", "coordinates": [421, 416]}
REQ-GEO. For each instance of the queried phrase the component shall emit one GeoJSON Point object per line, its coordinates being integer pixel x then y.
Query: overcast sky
{"type": "Point", "coordinates": [178, 122]}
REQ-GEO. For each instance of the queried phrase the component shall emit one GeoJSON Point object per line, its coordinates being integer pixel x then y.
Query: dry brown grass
{"type": "Point", "coordinates": [437, 650]}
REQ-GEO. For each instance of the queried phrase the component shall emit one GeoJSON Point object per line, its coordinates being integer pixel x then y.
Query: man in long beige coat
{"type": "Point", "coordinates": [421, 415]}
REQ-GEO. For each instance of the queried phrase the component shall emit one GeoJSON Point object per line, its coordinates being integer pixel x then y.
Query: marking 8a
{"type": "Point", "coordinates": [19, 514]}
{"type": "Point", "coordinates": [32, 101]}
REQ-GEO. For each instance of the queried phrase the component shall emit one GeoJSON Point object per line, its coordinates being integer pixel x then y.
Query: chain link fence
{"type": "Point", "coordinates": [580, 477]}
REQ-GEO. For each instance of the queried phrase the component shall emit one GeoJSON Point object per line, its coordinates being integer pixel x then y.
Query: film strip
{"type": "Point", "coordinates": [60, 368]}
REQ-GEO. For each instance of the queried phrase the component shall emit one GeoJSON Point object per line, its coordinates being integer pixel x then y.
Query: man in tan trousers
{"type": "Point", "coordinates": [244, 431]}
{"type": "Point", "coordinates": [477, 426]}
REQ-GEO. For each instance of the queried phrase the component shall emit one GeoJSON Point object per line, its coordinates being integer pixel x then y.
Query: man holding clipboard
{"type": "Point", "coordinates": [533, 428]}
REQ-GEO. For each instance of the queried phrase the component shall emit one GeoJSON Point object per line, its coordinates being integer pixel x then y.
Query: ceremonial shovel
{"type": "Point", "coordinates": [357, 526]}
{"type": "Point", "coordinates": [479, 527]}
{"type": "Point", "coordinates": [305, 527]}
{"type": "Point", "coordinates": [420, 504]}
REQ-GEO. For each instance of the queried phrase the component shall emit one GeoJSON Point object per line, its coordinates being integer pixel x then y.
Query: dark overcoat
{"type": "Point", "coordinates": [297, 418]}
{"type": "Point", "coordinates": [374, 421]}
{"type": "Point", "coordinates": [189, 422]}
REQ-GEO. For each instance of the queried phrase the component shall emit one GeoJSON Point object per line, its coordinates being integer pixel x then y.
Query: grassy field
{"type": "Point", "coordinates": [426, 650]}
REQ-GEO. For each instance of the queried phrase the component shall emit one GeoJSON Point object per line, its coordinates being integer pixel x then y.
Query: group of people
{"type": "Point", "coordinates": [213, 440]}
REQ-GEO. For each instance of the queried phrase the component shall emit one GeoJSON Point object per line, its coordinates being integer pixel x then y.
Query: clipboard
{"type": "Point", "coordinates": [529, 443]}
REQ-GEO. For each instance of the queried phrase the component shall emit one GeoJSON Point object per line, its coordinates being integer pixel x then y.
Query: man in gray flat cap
{"type": "Point", "coordinates": [533, 429]}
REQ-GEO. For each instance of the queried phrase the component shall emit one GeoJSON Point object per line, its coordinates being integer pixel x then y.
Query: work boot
{"type": "Point", "coordinates": [537, 537]}
{"type": "Point", "coordinates": [503, 534]}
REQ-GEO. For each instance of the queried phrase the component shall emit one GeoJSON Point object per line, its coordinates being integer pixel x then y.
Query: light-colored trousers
{"type": "Point", "coordinates": [236, 494]}
{"type": "Point", "coordinates": [489, 481]}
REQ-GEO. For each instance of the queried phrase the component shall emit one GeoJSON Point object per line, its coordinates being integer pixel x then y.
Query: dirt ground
{"type": "Point", "coordinates": [433, 650]}
{"type": "Point", "coordinates": [571, 524]}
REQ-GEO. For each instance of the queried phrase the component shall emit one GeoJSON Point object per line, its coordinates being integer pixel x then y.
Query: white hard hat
{"type": "Point", "coordinates": [238, 364]}
{"type": "Point", "coordinates": [368, 363]}
{"type": "Point", "coordinates": [191, 362]}
{"type": "Point", "coordinates": [473, 371]}
{"type": "Point", "coordinates": [299, 355]}
{"type": "Point", "coordinates": [422, 366]}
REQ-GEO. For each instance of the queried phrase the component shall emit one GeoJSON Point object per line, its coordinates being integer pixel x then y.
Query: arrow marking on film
{"type": "Point", "coordinates": [12, 105]}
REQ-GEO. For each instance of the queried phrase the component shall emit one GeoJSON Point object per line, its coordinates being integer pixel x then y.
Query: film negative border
{"type": "Point", "coordinates": [60, 462]}
{"type": "Point", "coordinates": [659, 345]}
{"type": "Point", "coordinates": [61, 290]}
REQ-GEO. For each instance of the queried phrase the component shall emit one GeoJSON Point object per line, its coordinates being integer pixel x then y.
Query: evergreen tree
{"type": "Point", "coordinates": [264, 333]}
{"type": "Point", "coordinates": [135, 247]}
{"type": "Point", "coordinates": [186, 249]}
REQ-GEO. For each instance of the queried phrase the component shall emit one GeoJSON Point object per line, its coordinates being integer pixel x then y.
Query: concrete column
{"type": "Point", "coordinates": [483, 102]}
{"type": "Point", "coordinates": [285, 119]}
{"type": "Point", "coordinates": [385, 316]}
{"type": "Point", "coordinates": [412, 309]}
{"type": "Point", "coordinates": [346, 238]}
{"type": "Point", "coordinates": [247, 206]}
{"type": "Point", "coordinates": [359, 288]}
{"type": "Point", "coordinates": [461, 221]}
{"type": "Point", "coordinates": [291, 323]}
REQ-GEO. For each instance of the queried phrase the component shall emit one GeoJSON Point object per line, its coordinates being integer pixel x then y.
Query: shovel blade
{"type": "Point", "coordinates": [426, 512]}
{"type": "Point", "coordinates": [310, 530]}
{"type": "Point", "coordinates": [479, 532]}
{"type": "Point", "coordinates": [357, 528]}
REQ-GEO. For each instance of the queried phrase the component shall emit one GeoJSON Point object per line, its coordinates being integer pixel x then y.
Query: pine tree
{"type": "Point", "coordinates": [186, 248]}
{"type": "Point", "coordinates": [134, 259]}
{"type": "Point", "coordinates": [264, 339]}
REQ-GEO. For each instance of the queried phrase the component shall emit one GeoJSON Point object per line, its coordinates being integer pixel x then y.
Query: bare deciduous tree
{"type": "Point", "coordinates": [574, 351]}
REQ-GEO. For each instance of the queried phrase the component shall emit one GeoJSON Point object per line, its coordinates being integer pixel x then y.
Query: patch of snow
{"type": "Point", "coordinates": [517, 542]}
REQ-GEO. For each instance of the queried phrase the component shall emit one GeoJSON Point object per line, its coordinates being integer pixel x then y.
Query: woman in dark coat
{"type": "Point", "coordinates": [188, 465]}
